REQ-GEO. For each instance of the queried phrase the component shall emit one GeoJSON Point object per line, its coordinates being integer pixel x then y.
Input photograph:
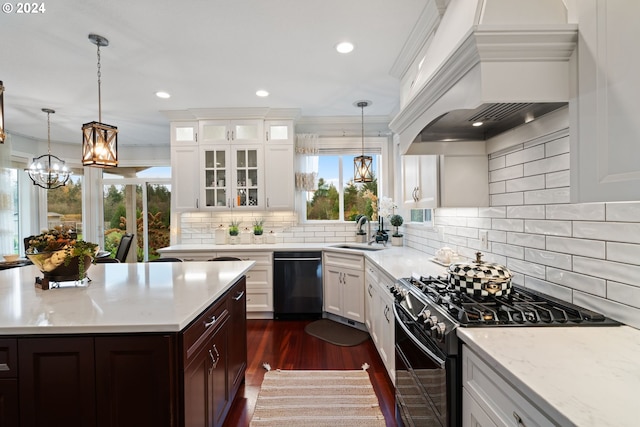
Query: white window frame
{"type": "Point", "coordinates": [348, 146]}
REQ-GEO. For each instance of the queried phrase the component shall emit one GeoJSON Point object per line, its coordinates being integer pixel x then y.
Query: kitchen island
{"type": "Point", "coordinates": [144, 344]}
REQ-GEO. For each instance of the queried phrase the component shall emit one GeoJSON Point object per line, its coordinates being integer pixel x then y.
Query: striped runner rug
{"type": "Point", "coordinates": [317, 398]}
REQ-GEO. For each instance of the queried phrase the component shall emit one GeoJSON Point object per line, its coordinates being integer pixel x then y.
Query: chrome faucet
{"type": "Point", "coordinates": [359, 226]}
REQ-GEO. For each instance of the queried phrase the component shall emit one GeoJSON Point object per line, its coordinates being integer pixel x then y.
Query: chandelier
{"type": "Point", "coordinates": [362, 164]}
{"type": "Point", "coordinates": [48, 171]}
{"type": "Point", "coordinates": [99, 140]}
{"type": "Point", "coordinates": [2, 134]}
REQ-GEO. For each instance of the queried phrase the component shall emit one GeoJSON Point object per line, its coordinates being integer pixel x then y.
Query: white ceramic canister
{"type": "Point", "coordinates": [245, 236]}
{"type": "Point", "coordinates": [271, 237]}
{"type": "Point", "coordinates": [221, 235]}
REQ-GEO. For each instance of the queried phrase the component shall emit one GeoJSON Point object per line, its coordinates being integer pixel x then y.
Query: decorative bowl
{"type": "Point", "coordinates": [58, 266]}
{"type": "Point", "coordinates": [11, 257]}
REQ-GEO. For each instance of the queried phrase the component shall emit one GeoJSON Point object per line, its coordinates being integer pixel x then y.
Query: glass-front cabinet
{"type": "Point", "coordinates": [232, 177]}
{"type": "Point", "coordinates": [231, 131]}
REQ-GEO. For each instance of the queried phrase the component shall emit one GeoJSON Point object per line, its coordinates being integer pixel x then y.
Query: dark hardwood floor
{"type": "Point", "coordinates": [284, 345]}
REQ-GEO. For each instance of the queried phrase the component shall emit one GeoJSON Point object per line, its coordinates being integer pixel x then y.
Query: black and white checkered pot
{"type": "Point", "coordinates": [480, 278]}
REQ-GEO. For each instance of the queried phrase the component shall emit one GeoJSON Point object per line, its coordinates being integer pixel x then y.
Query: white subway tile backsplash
{"type": "Point", "coordinates": [615, 271]}
{"type": "Point", "coordinates": [556, 147]}
{"type": "Point", "coordinates": [479, 222]}
{"type": "Point", "coordinates": [592, 285]}
{"type": "Point", "coordinates": [583, 247]}
{"type": "Point", "coordinates": [623, 252]}
{"type": "Point", "coordinates": [611, 231]}
{"type": "Point", "coordinates": [511, 172]}
{"type": "Point", "coordinates": [557, 179]}
{"type": "Point", "coordinates": [524, 156]}
{"type": "Point", "coordinates": [528, 240]}
{"type": "Point", "coordinates": [493, 212]}
{"type": "Point", "coordinates": [623, 293]}
{"type": "Point", "coordinates": [526, 212]}
{"type": "Point", "coordinates": [497, 187]}
{"type": "Point", "coordinates": [508, 224]}
{"type": "Point", "coordinates": [548, 196]}
{"type": "Point", "coordinates": [497, 163]}
{"type": "Point", "coordinates": [507, 199]}
{"type": "Point", "coordinates": [467, 232]}
{"type": "Point", "coordinates": [527, 268]}
{"type": "Point", "coordinates": [508, 250]}
{"type": "Point", "coordinates": [623, 212]}
{"type": "Point", "coordinates": [551, 164]}
{"type": "Point", "coordinates": [552, 259]}
{"type": "Point", "coordinates": [535, 182]}
{"type": "Point", "coordinates": [553, 228]}
{"type": "Point", "coordinates": [549, 288]}
{"type": "Point", "coordinates": [577, 212]}
{"type": "Point", "coordinates": [497, 236]}
{"type": "Point", "coordinates": [621, 312]}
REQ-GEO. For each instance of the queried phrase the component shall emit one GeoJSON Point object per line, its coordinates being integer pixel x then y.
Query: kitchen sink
{"type": "Point", "coordinates": [359, 246]}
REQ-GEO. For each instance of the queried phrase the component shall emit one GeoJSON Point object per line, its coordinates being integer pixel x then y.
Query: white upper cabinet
{"type": "Point", "coordinates": [184, 154]}
{"type": "Point", "coordinates": [231, 131]}
{"type": "Point", "coordinates": [420, 182]}
{"type": "Point", "coordinates": [434, 181]}
{"type": "Point", "coordinates": [604, 128]}
{"type": "Point", "coordinates": [279, 156]}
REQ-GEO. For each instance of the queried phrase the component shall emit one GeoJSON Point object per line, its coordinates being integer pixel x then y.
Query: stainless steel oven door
{"type": "Point", "coordinates": [422, 390]}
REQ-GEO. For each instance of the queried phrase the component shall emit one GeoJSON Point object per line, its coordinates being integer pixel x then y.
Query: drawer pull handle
{"type": "Point", "coordinates": [211, 322]}
{"type": "Point", "coordinates": [369, 290]}
{"type": "Point", "coordinates": [518, 419]}
{"type": "Point", "coordinates": [214, 360]}
{"type": "Point", "coordinates": [239, 296]}
{"type": "Point", "coordinates": [4, 367]}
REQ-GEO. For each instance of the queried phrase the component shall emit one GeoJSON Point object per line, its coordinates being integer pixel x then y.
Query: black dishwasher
{"type": "Point", "coordinates": [297, 285]}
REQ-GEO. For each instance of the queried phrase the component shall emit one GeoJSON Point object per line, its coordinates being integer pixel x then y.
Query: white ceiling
{"type": "Point", "coordinates": [206, 53]}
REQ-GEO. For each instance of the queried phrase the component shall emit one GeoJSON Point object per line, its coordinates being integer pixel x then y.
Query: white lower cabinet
{"type": "Point", "coordinates": [379, 314]}
{"type": "Point", "coordinates": [259, 282]}
{"type": "Point", "coordinates": [489, 400]}
{"type": "Point", "coordinates": [344, 285]}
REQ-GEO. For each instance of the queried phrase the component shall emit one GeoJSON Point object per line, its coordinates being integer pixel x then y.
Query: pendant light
{"type": "Point", "coordinates": [2, 134]}
{"type": "Point", "coordinates": [362, 164]}
{"type": "Point", "coordinates": [48, 171]}
{"type": "Point", "coordinates": [99, 140]}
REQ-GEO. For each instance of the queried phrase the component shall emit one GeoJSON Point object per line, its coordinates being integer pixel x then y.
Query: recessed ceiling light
{"type": "Point", "coordinates": [344, 47]}
{"type": "Point", "coordinates": [262, 93]}
{"type": "Point", "coordinates": [163, 95]}
{"type": "Point", "coordinates": [476, 124]}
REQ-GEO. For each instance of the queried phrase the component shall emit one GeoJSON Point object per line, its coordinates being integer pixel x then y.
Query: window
{"type": "Point", "coordinates": [64, 205]}
{"type": "Point", "coordinates": [9, 211]}
{"type": "Point", "coordinates": [337, 197]}
{"type": "Point", "coordinates": [423, 216]}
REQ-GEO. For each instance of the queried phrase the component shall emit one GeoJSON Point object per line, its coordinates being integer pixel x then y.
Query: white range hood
{"type": "Point", "coordinates": [502, 62]}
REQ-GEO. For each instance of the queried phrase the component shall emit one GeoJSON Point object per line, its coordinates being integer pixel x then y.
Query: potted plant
{"type": "Point", "coordinates": [396, 238]}
{"type": "Point", "coordinates": [258, 231]}
{"type": "Point", "coordinates": [234, 230]}
{"type": "Point", "coordinates": [60, 256]}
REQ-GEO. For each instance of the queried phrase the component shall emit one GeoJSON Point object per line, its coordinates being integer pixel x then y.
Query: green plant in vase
{"type": "Point", "coordinates": [257, 227]}
{"type": "Point", "coordinates": [396, 220]}
{"type": "Point", "coordinates": [234, 228]}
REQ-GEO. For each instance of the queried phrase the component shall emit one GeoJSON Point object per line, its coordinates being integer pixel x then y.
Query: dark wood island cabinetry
{"type": "Point", "coordinates": [174, 379]}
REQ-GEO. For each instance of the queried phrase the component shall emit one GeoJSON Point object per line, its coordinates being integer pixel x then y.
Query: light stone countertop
{"type": "Point", "coordinates": [581, 376]}
{"type": "Point", "coordinates": [121, 298]}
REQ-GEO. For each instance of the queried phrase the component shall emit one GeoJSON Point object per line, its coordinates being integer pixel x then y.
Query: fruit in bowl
{"type": "Point", "coordinates": [11, 257]}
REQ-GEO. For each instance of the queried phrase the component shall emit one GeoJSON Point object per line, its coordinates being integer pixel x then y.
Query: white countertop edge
{"type": "Point", "coordinates": [596, 383]}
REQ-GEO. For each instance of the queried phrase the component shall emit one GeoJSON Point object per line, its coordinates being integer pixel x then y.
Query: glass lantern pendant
{"type": "Point", "coordinates": [99, 140]}
{"type": "Point", "coordinates": [362, 164]}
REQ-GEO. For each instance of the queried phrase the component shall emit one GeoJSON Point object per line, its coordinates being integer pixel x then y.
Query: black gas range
{"type": "Point", "coordinates": [427, 313]}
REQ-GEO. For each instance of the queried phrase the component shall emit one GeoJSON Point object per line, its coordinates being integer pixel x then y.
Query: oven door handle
{"type": "Point", "coordinates": [439, 361]}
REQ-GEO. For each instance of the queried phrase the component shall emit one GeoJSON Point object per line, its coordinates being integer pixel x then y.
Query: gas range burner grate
{"type": "Point", "coordinates": [521, 307]}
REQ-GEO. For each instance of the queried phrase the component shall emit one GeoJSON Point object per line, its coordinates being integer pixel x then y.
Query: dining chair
{"type": "Point", "coordinates": [106, 260]}
{"type": "Point", "coordinates": [168, 259]}
{"type": "Point", "coordinates": [124, 246]}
